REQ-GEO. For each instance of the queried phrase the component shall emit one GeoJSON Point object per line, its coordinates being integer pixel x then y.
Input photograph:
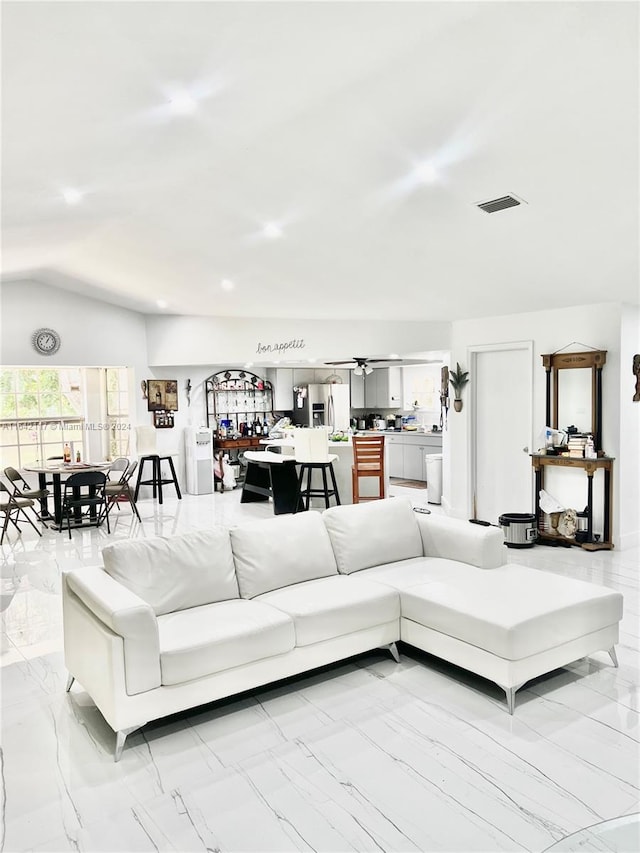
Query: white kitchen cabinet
{"type": "Point", "coordinates": [413, 461]}
{"type": "Point", "coordinates": [357, 391]}
{"type": "Point", "coordinates": [383, 388]}
{"type": "Point", "coordinates": [390, 388]}
{"type": "Point", "coordinates": [407, 454]}
{"type": "Point", "coordinates": [395, 456]}
{"type": "Point", "coordinates": [371, 390]}
{"type": "Point", "coordinates": [282, 380]}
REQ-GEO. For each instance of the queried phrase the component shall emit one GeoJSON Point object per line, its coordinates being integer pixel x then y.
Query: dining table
{"type": "Point", "coordinates": [52, 473]}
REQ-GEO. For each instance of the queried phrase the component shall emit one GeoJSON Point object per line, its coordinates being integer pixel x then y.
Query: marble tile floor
{"type": "Point", "coordinates": [364, 755]}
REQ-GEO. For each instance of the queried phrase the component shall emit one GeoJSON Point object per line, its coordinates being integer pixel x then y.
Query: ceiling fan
{"type": "Point", "coordinates": [361, 365]}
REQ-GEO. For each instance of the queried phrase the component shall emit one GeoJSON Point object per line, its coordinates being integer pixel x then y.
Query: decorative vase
{"type": "Point", "coordinates": [457, 405]}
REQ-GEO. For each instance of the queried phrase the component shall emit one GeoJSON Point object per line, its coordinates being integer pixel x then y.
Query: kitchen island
{"type": "Point", "coordinates": [342, 468]}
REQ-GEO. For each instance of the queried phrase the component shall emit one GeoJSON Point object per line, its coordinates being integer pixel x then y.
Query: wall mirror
{"type": "Point", "coordinates": [575, 400]}
{"type": "Point", "coordinates": [574, 391]}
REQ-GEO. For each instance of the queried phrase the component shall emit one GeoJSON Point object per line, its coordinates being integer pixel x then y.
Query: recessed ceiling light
{"type": "Point", "coordinates": [183, 104]}
{"type": "Point", "coordinates": [393, 355]}
{"type": "Point", "coordinates": [161, 303]}
{"type": "Point", "coordinates": [272, 230]}
{"type": "Point", "coordinates": [312, 360]}
{"type": "Point", "coordinates": [227, 284]}
{"type": "Point", "coordinates": [72, 196]}
{"type": "Point", "coordinates": [426, 172]}
{"type": "Point", "coordinates": [249, 364]}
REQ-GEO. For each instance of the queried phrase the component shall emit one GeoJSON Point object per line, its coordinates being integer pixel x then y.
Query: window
{"type": "Point", "coordinates": [117, 383]}
{"type": "Point", "coordinates": [40, 412]}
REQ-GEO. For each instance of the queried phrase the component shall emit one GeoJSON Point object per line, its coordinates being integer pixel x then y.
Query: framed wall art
{"type": "Point", "coordinates": [162, 395]}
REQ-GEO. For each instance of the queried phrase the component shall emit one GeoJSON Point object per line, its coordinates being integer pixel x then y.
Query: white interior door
{"type": "Point", "coordinates": [501, 479]}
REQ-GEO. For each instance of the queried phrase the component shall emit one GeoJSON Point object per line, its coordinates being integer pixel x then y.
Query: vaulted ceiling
{"type": "Point", "coordinates": [298, 159]}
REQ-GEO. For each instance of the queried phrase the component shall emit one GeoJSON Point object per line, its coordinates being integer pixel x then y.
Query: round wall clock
{"type": "Point", "coordinates": [45, 341]}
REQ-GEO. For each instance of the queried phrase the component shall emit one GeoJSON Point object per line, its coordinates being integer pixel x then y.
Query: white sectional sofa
{"type": "Point", "coordinates": [170, 624]}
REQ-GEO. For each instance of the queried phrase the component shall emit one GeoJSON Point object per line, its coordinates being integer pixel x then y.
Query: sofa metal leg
{"type": "Point", "coordinates": [394, 652]}
{"type": "Point", "coordinates": [511, 699]}
{"type": "Point", "coordinates": [121, 736]}
{"type": "Point", "coordinates": [613, 656]}
{"type": "Point", "coordinates": [70, 681]}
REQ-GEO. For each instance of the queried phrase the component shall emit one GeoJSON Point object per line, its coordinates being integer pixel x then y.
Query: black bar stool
{"type": "Point", "coordinates": [146, 447]}
{"type": "Point", "coordinates": [303, 496]}
{"type": "Point", "coordinates": [156, 480]}
{"type": "Point", "coordinates": [311, 453]}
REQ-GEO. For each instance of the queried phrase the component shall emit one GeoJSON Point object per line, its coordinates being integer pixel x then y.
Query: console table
{"type": "Point", "coordinates": [235, 446]}
{"type": "Point", "coordinates": [540, 462]}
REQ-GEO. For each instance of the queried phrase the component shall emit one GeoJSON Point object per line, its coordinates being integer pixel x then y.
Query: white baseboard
{"type": "Point", "coordinates": [629, 540]}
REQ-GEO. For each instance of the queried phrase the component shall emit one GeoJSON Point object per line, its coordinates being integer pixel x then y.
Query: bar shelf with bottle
{"type": "Point", "coordinates": [239, 404]}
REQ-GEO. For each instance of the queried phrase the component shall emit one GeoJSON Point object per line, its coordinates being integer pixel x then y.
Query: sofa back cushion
{"type": "Point", "coordinates": [455, 539]}
{"type": "Point", "coordinates": [370, 534]}
{"type": "Point", "coordinates": [281, 551]}
{"type": "Point", "coordinates": [176, 573]}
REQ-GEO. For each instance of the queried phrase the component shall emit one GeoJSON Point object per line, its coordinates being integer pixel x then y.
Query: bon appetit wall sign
{"type": "Point", "coordinates": [280, 347]}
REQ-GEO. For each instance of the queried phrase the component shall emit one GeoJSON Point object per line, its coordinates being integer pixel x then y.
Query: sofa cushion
{"type": "Point", "coordinates": [458, 540]}
{"type": "Point", "coordinates": [512, 611]}
{"type": "Point", "coordinates": [332, 607]}
{"type": "Point", "coordinates": [415, 572]}
{"type": "Point", "coordinates": [373, 533]}
{"type": "Point", "coordinates": [214, 637]}
{"type": "Point", "coordinates": [173, 574]}
{"type": "Point", "coordinates": [281, 551]}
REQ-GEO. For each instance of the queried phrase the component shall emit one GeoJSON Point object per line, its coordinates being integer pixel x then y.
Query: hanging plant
{"type": "Point", "coordinates": [458, 379]}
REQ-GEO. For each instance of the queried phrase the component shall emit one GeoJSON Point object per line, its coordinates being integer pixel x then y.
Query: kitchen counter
{"type": "Point", "coordinates": [342, 468]}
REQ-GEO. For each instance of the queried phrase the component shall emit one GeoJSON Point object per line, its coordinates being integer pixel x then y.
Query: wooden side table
{"type": "Point", "coordinates": [234, 446]}
{"type": "Point", "coordinates": [590, 466]}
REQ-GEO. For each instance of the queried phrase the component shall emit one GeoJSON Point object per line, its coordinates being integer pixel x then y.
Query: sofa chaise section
{"type": "Point", "coordinates": [461, 602]}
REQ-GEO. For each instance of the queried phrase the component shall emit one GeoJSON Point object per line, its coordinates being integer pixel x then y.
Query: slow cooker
{"type": "Point", "coordinates": [519, 528]}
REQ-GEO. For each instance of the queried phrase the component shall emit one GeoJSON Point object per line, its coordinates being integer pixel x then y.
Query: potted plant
{"type": "Point", "coordinates": [458, 379]}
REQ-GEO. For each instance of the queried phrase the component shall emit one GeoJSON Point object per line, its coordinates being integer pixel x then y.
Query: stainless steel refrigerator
{"type": "Point", "coordinates": [322, 405]}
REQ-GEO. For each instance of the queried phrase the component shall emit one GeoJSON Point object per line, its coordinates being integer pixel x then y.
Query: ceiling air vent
{"type": "Point", "coordinates": [502, 203]}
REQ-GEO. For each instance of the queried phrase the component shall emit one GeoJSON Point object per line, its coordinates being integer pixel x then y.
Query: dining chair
{"type": "Point", "coordinates": [22, 489]}
{"type": "Point", "coordinates": [121, 491]}
{"type": "Point", "coordinates": [85, 494]}
{"type": "Point", "coordinates": [118, 468]}
{"type": "Point", "coordinates": [368, 461]}
{"type": "Point", "coordinates": [14, 506]}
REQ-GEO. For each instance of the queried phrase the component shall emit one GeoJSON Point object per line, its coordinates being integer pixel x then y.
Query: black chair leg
{"type": "Point", "coordinates": [175, 479]}
{"type": "Point", "coordinates": [335, 484]}
{"type": "Point", "coordinates": [299, 503]}
{"type": "Point", "coordinates": [308, 493]}
{"type": "Point", "coordinates": [134, 507]}
{"type": "Point", "coordinates": [325, 486]}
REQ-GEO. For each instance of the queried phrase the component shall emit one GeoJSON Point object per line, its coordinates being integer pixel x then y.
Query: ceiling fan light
{"type": "Point", "coordinates": [358, 370]}
{"type": "Point", "coordinates": [368, 370]}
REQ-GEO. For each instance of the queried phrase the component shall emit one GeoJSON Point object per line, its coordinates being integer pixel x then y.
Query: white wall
{"type": "Point", "coordinates": [230, 340]}
{"type": "Point", "coordinates": [582, 327]}
{"type": "Point", "coordinates": [628, 473]}
{"type": "Point", "coordinates": [93, 333]}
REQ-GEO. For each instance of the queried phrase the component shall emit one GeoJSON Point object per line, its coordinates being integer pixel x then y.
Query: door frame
{"type": "Point", "coordinates": [472, 449]}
